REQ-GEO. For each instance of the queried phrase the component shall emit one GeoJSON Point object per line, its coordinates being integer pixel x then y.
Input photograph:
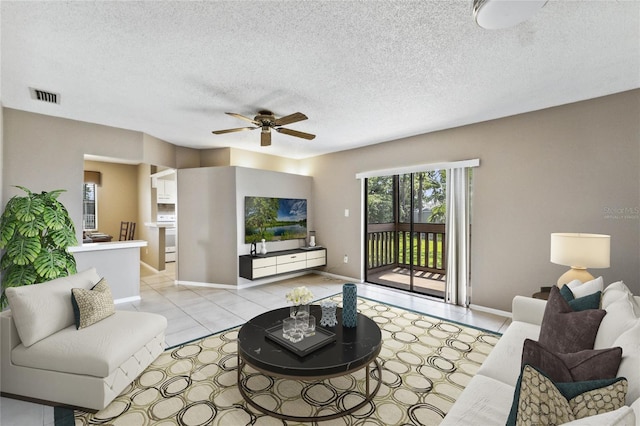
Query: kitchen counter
{"type": "Point", "coordinates": [112, 245]}
{"type": "Point", "coordinates": [117, 261]}
{"type": "Point", "coordinates": [160, 224]}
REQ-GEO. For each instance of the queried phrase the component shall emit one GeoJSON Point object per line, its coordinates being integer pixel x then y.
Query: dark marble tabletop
{"type": "Point", "coordinates": [353, 348]}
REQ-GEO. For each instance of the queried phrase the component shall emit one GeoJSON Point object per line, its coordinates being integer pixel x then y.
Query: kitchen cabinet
{"type": "Point", "coordinates": [166, 191]}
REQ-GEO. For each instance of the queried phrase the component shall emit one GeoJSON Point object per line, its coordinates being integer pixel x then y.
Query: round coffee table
{"type": "Point", "coordinates": [354, 349]}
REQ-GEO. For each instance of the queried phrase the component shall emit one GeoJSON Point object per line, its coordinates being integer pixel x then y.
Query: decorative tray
{"type": "Point", "coordinates": [305, 346]}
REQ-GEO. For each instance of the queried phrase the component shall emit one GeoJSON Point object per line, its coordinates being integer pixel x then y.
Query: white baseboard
{"type": "Point", "coordinates": [491, 310]}
{"type": "Point", "coordinates": [146, 265]}
{"type": "Point", "coordinates": [241, 286]}
{"type": "Point", "coordinates": [127, 300]}
{"type": "Point", "coordinates": [339, 277]}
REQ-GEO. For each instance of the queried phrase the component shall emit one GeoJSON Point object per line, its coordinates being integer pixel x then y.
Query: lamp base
{"type": "Point", "coordinates": [580, 274]}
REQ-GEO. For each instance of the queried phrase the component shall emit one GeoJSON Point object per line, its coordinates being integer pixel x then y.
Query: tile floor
{"type": "Point", "coordinates": [194, 312]}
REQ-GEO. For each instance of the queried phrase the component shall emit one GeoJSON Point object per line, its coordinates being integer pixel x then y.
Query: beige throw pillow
{"type": "Point", "coordinates": [91, 306]}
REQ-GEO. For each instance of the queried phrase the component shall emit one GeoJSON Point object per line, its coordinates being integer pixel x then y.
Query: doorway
{"type": "Point", "coordinates": [405, 244]}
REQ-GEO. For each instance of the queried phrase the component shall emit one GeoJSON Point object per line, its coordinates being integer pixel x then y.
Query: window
{"type": "Point", "coordinates": [89, 207]}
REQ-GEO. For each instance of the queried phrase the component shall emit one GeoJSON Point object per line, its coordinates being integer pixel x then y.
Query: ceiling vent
{"type": "Point", "coordinates": [44, 96]}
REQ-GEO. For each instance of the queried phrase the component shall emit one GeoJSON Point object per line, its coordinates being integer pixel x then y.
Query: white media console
{"type": "Point", "coordinates": [281, 262]}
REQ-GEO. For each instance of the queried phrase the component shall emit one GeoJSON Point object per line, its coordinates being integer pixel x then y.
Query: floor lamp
{"type": "Point", "coordinates": [580, 251]}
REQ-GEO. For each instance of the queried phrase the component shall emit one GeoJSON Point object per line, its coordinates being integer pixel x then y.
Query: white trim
{"type": "Point", "coordinates": [419, 168]}
{"type": "Point", "coordinates": [112, 245]}
{"type": "Point", "coordinates": [256, 283]}
{"type": "Point", "coordinates": [127, 300]}
{"type": "Point", "coordinates": [339, 277]}
{"type": "Point", "coordinates": [490, 310]}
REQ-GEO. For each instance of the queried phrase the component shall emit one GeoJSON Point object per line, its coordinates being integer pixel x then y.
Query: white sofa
{"type": "Point", "coordinates": [488, 397]}
{"type": "Point", "coordinates": [46, 359]}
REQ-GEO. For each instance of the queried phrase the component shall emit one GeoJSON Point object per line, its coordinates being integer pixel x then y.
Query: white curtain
{"type": "Point", "coordinates": [457, 289]}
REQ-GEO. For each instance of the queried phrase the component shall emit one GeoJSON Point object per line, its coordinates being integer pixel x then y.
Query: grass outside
{"type": "Point", "coordinates": [426, 247]}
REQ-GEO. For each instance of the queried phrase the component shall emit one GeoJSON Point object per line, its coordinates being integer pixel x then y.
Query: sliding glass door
{"type": "Point", "coordinates": [405, 235]}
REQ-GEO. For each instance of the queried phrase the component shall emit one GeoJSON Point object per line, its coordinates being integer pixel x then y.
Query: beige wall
{"type": "Point", "coordinates": [117, 196]}
{"type": "Point", "coordinates": [207, 237]}
{"type": "Point", "coordinates": [211, 218]}
{"type": "Point", "coordinates": [555, 170]}
{"type": "Point", "coordinates": [220, 157]}
{"type": "Point", "coordinates": [45, 153]}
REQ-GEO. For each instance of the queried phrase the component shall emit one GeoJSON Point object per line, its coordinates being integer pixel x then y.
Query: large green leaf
{"type": "Point", "coordinates": [50, 264]}
{"type": "Point", "coordinates": [24, 250]}
{"type": "Point", "coordinates": [55, 218]}
{"type": "Point", "coordinates": [16, 276]}
{"type": "Point", "coordinates": [63, 238]}
{"type": "Point", "coordinates": [7, 229]}
{"type": "Point", "coordinates": [53, 195]}
{"type": "Point", "coordinates": [27, 208]}
{"type": "Point", "coordinates": [70, 263]}
{"type": "Point", "coordinates": [19, 275]}
{"type": "Point", "coordinates": [33, 228]}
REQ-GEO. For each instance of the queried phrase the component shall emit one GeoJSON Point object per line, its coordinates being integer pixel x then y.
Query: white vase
{"type": "Point", "coordinates": [263, 247]}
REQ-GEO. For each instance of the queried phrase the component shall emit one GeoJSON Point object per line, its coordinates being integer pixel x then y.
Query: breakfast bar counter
{"type": "Point", "coordinates": [117, 261]}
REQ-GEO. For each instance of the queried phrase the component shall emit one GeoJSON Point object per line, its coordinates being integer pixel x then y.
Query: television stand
{"type": "Point", "coordinates": [281, 262]}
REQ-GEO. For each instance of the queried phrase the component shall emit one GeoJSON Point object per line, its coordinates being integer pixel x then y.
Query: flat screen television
{"type": "Point", "coordinates": [274, 219]}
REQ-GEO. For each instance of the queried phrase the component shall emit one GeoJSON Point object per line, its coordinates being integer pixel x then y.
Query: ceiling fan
{"type": "Point", "coordinates": [266, 121]}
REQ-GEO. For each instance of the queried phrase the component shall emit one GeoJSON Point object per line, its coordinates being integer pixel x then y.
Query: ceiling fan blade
{"type": "Point", "coordinates": [239, 129]}
{"type": "Point", "coordinates": [265, 138]}
{"type": "Point", "coordinates": [292, 118]}
{"type": "Point", "coordinates": [296, 133]}
{"type": "Point", "coordinates": [242, 117]}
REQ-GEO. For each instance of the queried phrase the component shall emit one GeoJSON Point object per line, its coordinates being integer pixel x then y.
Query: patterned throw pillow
{"type": "Point", "coordinates": [538, 400]}
{"type": "Point", "coordinates": [91, 306]}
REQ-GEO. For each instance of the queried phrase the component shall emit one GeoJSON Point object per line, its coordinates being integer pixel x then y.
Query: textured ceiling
{"type": "Point", "coordinates": [363, 72]}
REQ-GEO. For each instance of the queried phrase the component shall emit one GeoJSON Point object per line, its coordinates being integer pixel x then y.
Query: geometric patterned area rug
{"type": "Point", "coordinates": [426, 363]}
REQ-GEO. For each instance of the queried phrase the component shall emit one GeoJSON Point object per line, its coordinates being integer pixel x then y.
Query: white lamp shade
{"type": "Point", "coordinates": [581, 250]}
{"type": "Point", "coordinates": [497, 14]}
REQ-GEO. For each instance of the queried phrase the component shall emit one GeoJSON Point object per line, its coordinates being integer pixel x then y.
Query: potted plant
{"type": "Point", "coordinates": [35, 231]}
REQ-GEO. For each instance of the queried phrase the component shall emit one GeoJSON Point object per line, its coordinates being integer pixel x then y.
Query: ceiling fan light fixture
{"type": "Point", "coordinates": [265, 120]}
{"type": "Point", "coordinates": [498, 14]}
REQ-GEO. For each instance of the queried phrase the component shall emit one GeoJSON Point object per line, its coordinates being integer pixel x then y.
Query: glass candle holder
{"type": "Point", "coordinates": [328, 318]}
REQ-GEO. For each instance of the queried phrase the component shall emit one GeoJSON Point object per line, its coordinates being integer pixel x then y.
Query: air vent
{"type": "Point", "coordinates": [44, 96]}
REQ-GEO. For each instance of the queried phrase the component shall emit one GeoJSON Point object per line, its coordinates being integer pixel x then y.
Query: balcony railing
{"type": "Point", "coordinates": [390, 245]}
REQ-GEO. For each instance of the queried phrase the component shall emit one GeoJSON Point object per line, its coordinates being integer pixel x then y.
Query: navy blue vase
{"type": "Point", "coordinates": [349, 305]}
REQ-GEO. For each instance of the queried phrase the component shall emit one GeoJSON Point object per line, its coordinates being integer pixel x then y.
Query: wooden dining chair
{"type": "Point", "coordinates": [124, 231]}
{"type": "Point", "coordinates": [132, 230]}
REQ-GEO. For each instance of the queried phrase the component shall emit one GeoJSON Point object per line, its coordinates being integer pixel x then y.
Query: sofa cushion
{"type": "Point", "coordinates": [564, 330]}
{"type": "Point", "coordinates": [485, 401]}
{"type": "Point", "coordinates": [91, 306]}
{"type": "Point", "coordinates": [621, 316]}
{"type": "Point", "coordinates": [39, 310]}
{"type": "Point", "coordinates": [504, 362]}
{"type": "Point", "coordinates": [629, 341]}
{"type": "Point", "coordinates": [623, 416]}
{"type": "Point", "coordinates": [538, 400]}
{"type": "Point", "coordinates": [573, 367]}
{"type": "Point", "coordinates": [614, 291]}
{"type": "Point", "coordinates": [95, 351]}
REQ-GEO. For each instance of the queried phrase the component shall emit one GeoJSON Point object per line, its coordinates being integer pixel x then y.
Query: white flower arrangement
{"type": "Point", "coordinates": [300, 296]}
